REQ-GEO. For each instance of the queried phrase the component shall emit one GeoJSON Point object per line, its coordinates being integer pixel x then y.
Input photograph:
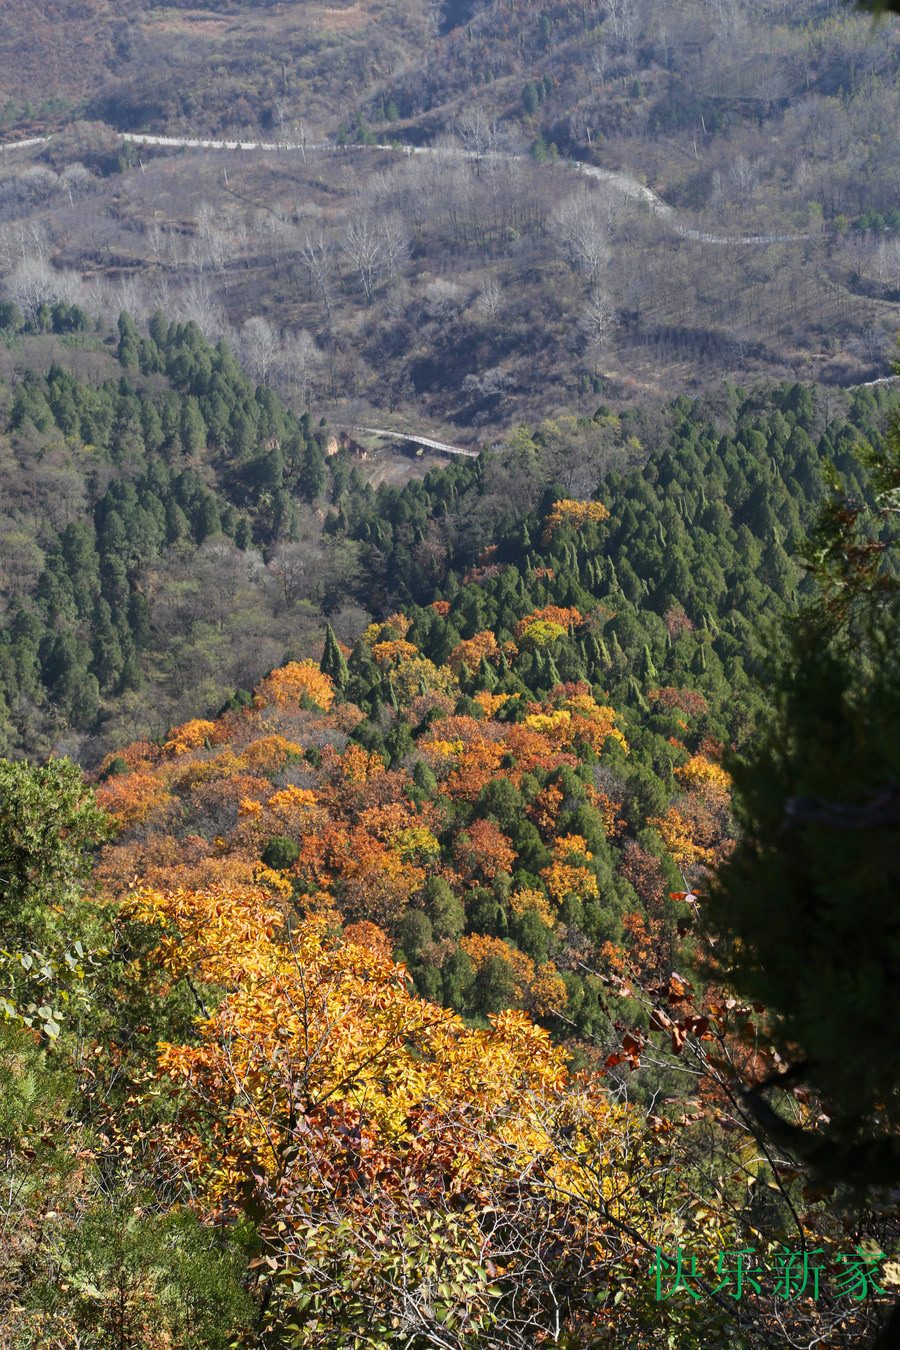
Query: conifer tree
{"type": "Point", "coordinates": [333, 664]}
{"type": "Point", "coordinates": [808, 897]}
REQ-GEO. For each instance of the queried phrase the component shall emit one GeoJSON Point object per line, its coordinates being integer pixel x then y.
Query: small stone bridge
{"type": "Point", "coordinates": [427, 442]}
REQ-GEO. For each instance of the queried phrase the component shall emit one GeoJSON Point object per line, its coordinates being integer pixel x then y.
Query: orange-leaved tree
{"type": "Point", "coordinates": [407, 1175]}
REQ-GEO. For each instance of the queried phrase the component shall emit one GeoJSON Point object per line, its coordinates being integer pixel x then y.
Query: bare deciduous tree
{"type": "Point", "coordinates": [78, 181]}
{"type": "Point", "coordinates": [614, 11]}
{"type": "Point", "coordinates": [579, 235]}
{"type": "Point", "coordinates": [300, 361]}
{"type": "Point", "coordinates": [156, 242]}
{"type": "Point", "coordinates": [600, 62]}
{"type": "Point", "coordinates": [259, 347]}
{"type": "Point", "coordinates": [317, 255]}
{"type": "Point", "coordinates": [33, 283]}
{"type": "Point", "coordinates": [479, 133]}
{"type": "Point", "coordinates": [131, 294]}
{"type": "Point", "coordinates": [197, 303]}
{"type": "Point", "coordinates": [744, 176]}
{"type": "Point", "coordinates": [442, 299]}
{"type": "Point", "coordinates": [394, 241]}
{"type": "Point", "coordinates": [363, 247]}
{"type": "Point", "coordinates": [281, 113]}
{"type": "Point", "coordinates": [490, 297]}
{"type": "Point", "coordinates": [291, 564]}
{"type": "Point", "coordinates": [596, 321]}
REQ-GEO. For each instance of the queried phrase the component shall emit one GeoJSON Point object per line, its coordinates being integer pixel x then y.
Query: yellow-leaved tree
{"type": "Point", "coordinates": [414, 1181]}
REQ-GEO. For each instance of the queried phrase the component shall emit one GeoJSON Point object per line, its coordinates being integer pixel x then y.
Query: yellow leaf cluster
{"type": "Point", "coordinates": [564, 877]}
{"type": "Point", "coordinates": [574, 513]}
{"type": "Point", "coordinates": [292, 812]}
{"type": "Point", "coordinates": [134, 798]}
{"type": "Point", "coordinates": [538, 988]}
{"type": "Point", "coordinates": [481, 949]}
{"type": "Point", "coordinates": [540, 633]}
{"type": "Point", "coordinates": [491, 702]}
{"type": "Point", "coordinates": [358, 766]}
{"type": "Point", "coordinates": [339, 1019]}
{"type": "Point", "coordinates": [285, 688]}
{"type": "Point", "coordinates": [467, 656]}
{"type": "Point", "coordinates": [397, 626]}
{"type": "Point", "coordinates": [677, 835]}
{"type": "Point", "coordinates": [556, 616]}
{"type": "Point", "coordinates": [272, 880]}
{"type": "Point", "coordinates": [268, 754]}
{"type": "Point", "coordinates": [192, 735]}
{"type": "Point", "coordinates": [704, 776]}
{"type": "Point", "coordinates": [416, 842]}
{"type": "Point", "coordinates": [417, 675]}
{"type": "Point", "coordinates": [526, 901]}
{"type": "Point", "coordinates": [218, 932]}
{"type": "Point", "coordinates": [567, 844]}
{"type": "Point", "coordinates": [183, 777]}
{"type": "Point", "coordinates": [553, 724]}
{"type": "Point", "coordinates": [588, 721]}
{"type": "Point", "coordinates": [548, 991]}
{"type": "Point", "coordinates": [391, 653]}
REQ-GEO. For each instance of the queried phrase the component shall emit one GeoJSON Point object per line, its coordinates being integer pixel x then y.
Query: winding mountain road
{"type": "Point", "coordinates": [630, 188]}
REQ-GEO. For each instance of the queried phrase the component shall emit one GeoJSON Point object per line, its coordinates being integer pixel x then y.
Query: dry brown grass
{"type": "Point", "coordinates": [348, 20]}
{"type": "Point", "coordinates": [192, 22]}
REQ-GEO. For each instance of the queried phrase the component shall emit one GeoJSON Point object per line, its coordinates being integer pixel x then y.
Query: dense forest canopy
{"type": "Point", "coordinates": [172, 531]}
{"type": "Point", "coordinates": [446, 901]}
{"type": "Point", "coordinates": [494, 743]}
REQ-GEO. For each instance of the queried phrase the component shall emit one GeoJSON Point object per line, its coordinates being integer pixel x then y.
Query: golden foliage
{"type": "Point", "coordinates": [416, 843]}
{"type": "Point", "coordinates": [550, 614]}
{"type": "Point", "coordinates": [532, 900]}
{"type": "Point", "coordinates": [191, 736]}
{"type": "Point", "coordinates": [574, 513]}
{"type": "Point", "coordinates": [491, 702]}
{"type": "Point", "coordinates": [287, 687]}
{"type": "Point", "coordinates": [393, 629]}
{"type": "Point", "coordinates": [393, 652]}
{"type": "Point", "coordinates": [588, 721]}
{"type": "Point", "coordinates": [467, 656]}
{"type": "Point", "coordinates": [703, 776]}
{"type": "Point", "coordinates": [291, 812]}
{"type": "Point", "coordinates": [358, 766]}
{"type": "Point", "coordinates": [678, 835]}
{"type": "Point", "coordinates": [417, 677]}
{"type": "Point", "coordinates": [539, 989]}
{"type": "Point", "coordinates": [269, 754]}
{"type": "Point", "coordinates": [340, 1015]}
{"type": "Point", "coordinates": [217, 932]}
{"type": "Point", "coordinates": [369, 936]}
{"type": "Point", "coordinates": [568, 876]}
{"type": "Point", "coordinates": [136, 799]}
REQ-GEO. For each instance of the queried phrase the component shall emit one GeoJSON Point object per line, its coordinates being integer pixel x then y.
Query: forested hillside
{"type": "Point", "coordinates": [172, 532]}
{"type": "Point", "coordinates": [682, 196]}
{"type": "Point", "coordinates": [232, 1118]}
{"type": "Point", "coordinates": [447, 903]}
{"type": "Point", "coordinates": [483, 725]}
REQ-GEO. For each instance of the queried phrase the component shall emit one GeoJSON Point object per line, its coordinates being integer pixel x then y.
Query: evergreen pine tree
{"type": "Point", "coordinates": [649, 673]}
{"type": "Point", "coordinates": [487, 676]}
{"type": "Point", "coordinates": [333, 664]}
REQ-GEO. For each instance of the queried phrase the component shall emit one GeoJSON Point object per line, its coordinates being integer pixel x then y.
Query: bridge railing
{"type": "Point", "coordinates": [446, 447]}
